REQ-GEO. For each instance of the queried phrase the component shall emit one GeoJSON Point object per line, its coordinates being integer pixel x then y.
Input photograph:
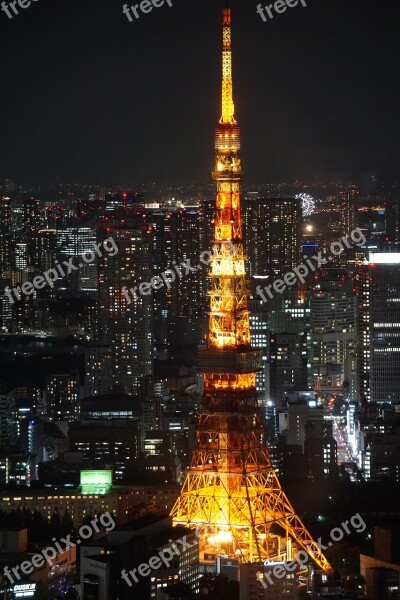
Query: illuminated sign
{"type": "Point", "coordinates": [96, 477]}
{"type": "Point", "coordinates": [24, 590]}
{"type": "Point", "coordinates": [384, 258]}
{"type": "Point", "coordinates": [96, 482]}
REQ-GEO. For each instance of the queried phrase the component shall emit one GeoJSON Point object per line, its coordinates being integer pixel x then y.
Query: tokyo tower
{"type": "Point", "coordinates": [232, 494]}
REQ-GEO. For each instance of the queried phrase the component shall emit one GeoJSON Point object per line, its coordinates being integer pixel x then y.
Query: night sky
{"type": "Point", "coordinates": [87, 96]}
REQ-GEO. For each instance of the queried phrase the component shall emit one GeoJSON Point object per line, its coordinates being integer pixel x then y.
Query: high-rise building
{"type": "Point", "coordinates": [5, 232]}
{"type": "Point", "coordinates": [288, 365]}
{"type": "Point", "coordinates": [31, 221]}
{"type": "Point", "coordinates": [206, 216]}
{"type": "Point", "coordinates": [260, 338]}
{"type": "Point", "coordinates": [348, 209]}
{"type": "Point", "coordinates": [126, 318]}
{"type": "Point", "coordinates": [32, 441]}
{"type": "Point", "coordinates": [113, 442]}
{"type": "Point", "coordinates": [299, 414]}
{"type": "Point", "coordinates": [179, 310]}
{"type": "Point", "coordinates": [378, 286]}
{"type": "Point", "coordinates": [392, 215]}
{"type": "Point", "coordinates": [188, 306]}
{"type": "Point", "coordinates": [21, 257]}
{"type": "Point", "coordinates": [290, 344]}
{"type": "Point", "coordinates": [159, 234]}
{"type": "Point", "coordinates": [6, 307]}
{"type": "Point", "coordinates": [62, 396]}
{"type": "Point", "coordinates": [232, 488]}
{"type": "Point", "coordinates": [272, 228]}
{"type": "Point", "coordinates": [320, 450]}
{"type": "Point", "coordinates": [74, 242]}
{"type": "Point", "coordinates": [333, 328]}
{"type": "Point", "coordinates": [8, 419]}
{"type": "Point", "coordinates": [98, 370]}
{"type": "Point", "coordinates": [381, 454]}
{"type": "Point", "coordinates": [47, 246]}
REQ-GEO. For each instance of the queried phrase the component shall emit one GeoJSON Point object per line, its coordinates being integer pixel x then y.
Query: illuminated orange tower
{"type": "Point", "coordinates": [231, 493]}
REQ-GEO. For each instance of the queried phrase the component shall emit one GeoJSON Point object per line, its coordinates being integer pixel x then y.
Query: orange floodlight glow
{"type": "Point", "coordinates": [232, 486]}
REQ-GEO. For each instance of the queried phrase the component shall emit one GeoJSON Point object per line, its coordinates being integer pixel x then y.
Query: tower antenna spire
{"type": "Point", "coordinates": [228, 107]}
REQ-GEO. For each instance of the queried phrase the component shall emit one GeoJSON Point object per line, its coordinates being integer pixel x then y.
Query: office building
{"type": "Point", "coordinates": [125, 548]}
{"type": "Point", "coordinates": [188, 310]}
{"type": "Point", "coordinates": [257, 581]}
{"type": "Point", "coordinates": [320, 450]}
{"type": "Point", "coordinates": [299, 415]}
{"type": "Point", "coordinates": [349, 199]}
{"type": "Point", "coordinates": [73, 242]}
{"type": "Point", "coordinates": [333, 328]}
{"type": "Point", "coordinates": [378, 286]}
{"type": "Point", "coordinates": [62, 396]}
{"type": "Point", "coordinates": [288, 365]}
{"type": "Point", "coordinates": [98, 370]}
{"type": "Point", "coordinates": [8, 419]}
{"type": "Point", "coordinates": [272, 228]}
{"type": "Point", "coordinates": [112, 443]}
{"type": "Point", "coordinates": [5, 235]}
{"type": "Point", "coordinates": [125, 319]}
{"type": "Point", "coordinates": [260, 338]}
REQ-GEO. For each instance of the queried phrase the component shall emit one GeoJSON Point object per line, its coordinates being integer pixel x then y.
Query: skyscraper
{"type": "Point", "coordinates": [187, 308]}
{"type": "Point", "coordinates": [5, 232]}
{"type": "Point", "coordinates": [31, 221]}
{"type": "Point", "coordinates": [174, 236]}
{"type": "Point", "coordinates": [392, 215]}
{"type": "Point", "coordinates": [126, 323]}
{"type": "Point", "coordinates": [272, 229]}
{"type": "Point", "coordinates": [159, 234]}
{"type": "Point", "coordinates": [98, 370]}
{"type": "Point", "coordinates": [333, 327]}
{"type": "Point", "coordinates": [62, 396]}
{"type": "Point", "coordinates": [348, 209]}
{"type": "Point", "coordinates": [74, 242]}
{"type": "Point", "coordinates": [232, 488]}
{"type": "Point", "coordinates": [378, 286]}
{"type": "Point", "coordinates": [260, 338]}
{"type": "Point", "coordinates": [290, 344]}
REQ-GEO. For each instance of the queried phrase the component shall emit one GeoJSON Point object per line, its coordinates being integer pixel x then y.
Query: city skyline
{"type": "Point", "coordinates": [199, 383]}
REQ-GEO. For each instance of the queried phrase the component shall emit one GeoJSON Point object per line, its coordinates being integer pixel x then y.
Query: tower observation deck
{"type": "Point", "coordinates": [231, 493]}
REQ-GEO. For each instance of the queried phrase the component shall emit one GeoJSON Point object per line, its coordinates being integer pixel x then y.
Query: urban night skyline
{"type": "Point", "coordinates": [199, 301]}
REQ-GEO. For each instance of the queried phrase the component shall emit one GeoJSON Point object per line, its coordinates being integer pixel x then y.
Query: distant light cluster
{"type": "Point", "coordinates": [307, 204]}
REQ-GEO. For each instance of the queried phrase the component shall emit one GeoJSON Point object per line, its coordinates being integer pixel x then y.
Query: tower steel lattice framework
{"type": "Point", "coordinates": [232, 494]}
